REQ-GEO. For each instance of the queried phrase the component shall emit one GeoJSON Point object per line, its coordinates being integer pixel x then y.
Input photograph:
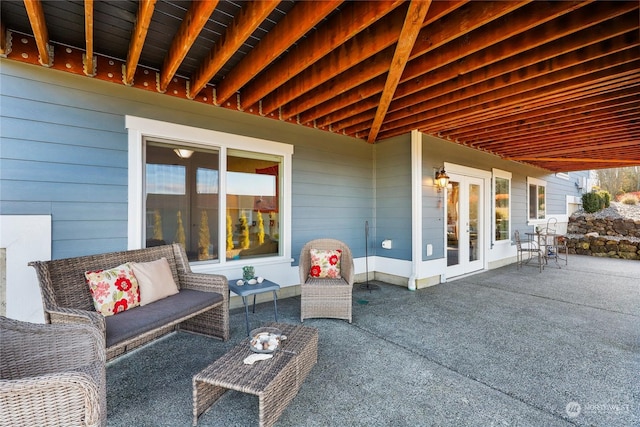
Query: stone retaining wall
{"type": "Point", "coordinates": [603, 226]}
{"type": "Point", "coordinates": [604, 237]}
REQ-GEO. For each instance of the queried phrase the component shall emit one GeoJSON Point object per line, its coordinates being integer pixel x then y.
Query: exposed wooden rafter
{"type": "Point", "coordinates": [139, 35]}
{"type": "Point", "coordinates": [369, 72]}
{"type": "Point", "coordinates": [302, 18]}
{"type": "Point", "coordinates": [413, 23]}
{"type": "Point", "coordinates": [40, 32]}
{"type": "Point", "coordinates": [490, 95]}
{"type": "Point", "coordinates": [416, 77]}
{"type": "Point", "coordinates": [468, 18]}
{"type": "Point", "coordinates": [351, 20]}
{"type": "Point", "coordinates": [88, 35]}
{"type": "Point", "coordinates": [4, 48]}
{"type": "Point", "coordinates": [375, 38]}
{"type": "Point", "coordinates": [193, 22]}
{"type": "Point", "coordinates": [253, 13]}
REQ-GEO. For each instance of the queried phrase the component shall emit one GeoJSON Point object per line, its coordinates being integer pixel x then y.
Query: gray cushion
{"type": "Point", "coordinates": [138, 320]}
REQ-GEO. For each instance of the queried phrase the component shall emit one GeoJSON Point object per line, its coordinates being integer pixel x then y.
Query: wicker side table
{"type": "Point", "coordinates": [275, 381]}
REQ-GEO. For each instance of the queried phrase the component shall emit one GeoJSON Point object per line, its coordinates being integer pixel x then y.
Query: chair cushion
{"type": "Point", "coordinates": [325, 263]}
{"type": "Point", "coordinates": [113, 290]}
{"type": "Point", "coordinates": [155, 280]}
{"type": "Point", "coordinates": [142, 319]}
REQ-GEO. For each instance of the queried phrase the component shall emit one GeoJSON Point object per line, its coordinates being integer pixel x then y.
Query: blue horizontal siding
{"type": "Point", "coordinates": [332, 193]}
{"type": "Point", "coordinates": [29, 191]}
{"type": "Point", "coordinates": [393, 197]}
{"type": "Point", "coordinates": [72, 248]}
{"type": "Point", "coordinates": [89, 229]}
{"type": "Point", "coordinates": [62, 173]}
{"type": "Point", "coordinates": [95, 210]}
{"type": "Point", "coordinates": [42, 113]}
{"type": "Point", "coordinates": [10, 207]}
{"type": "Point", "coordinates": [64, 153]}
{"type": "Point", "coordinates": [94, 148]}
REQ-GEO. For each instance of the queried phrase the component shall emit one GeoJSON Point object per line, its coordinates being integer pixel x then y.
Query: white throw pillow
{"type": "Point", "coordinates": [154, 280]}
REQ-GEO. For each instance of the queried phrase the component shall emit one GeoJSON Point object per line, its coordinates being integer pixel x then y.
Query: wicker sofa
{"type": "Point", "coordinates": [201, 305]}
{"type": "Point", "coordinates": [51, 375]}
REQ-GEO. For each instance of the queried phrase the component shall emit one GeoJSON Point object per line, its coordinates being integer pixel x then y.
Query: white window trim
{"type": "Point", "coordinates": [539, 183]}
{"type": "Point", "coordinates": [498, 173]}
{"type": "Point", "coordinates": [140, 128]}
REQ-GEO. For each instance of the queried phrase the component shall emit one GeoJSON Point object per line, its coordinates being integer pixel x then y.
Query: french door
{"type": "Point", "coordinates": [465, 225]}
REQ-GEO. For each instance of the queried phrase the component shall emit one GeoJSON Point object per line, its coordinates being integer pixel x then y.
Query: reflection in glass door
{"type": "Point", "coordinates": [464, 232]}
{"type": "Point", "coordinates": [474, 218]}
{"type": "Point", "coordinates": [453, 218]}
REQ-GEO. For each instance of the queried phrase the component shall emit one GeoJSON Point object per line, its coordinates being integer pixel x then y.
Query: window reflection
{"type": "Point", "coordinates": [252, 205]}
{"type": "Point", "coordinates": [502, 208]}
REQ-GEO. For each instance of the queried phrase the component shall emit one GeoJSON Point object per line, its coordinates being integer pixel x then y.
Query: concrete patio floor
{"type": "Point", "coordinates": [505, 347]}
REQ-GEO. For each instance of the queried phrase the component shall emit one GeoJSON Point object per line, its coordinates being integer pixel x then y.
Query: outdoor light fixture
{"type": "Point", "coordinates": [441, 180]}
{"type": "Point", "coordinates": [183, 153]}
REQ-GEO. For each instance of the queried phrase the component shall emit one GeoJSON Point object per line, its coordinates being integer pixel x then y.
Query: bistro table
{"type": "Point", "coordinates": [549, 244]}
{"type": "Point", "coordinates": [246, 289]}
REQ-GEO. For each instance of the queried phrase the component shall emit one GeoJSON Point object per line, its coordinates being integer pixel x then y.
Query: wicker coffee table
{"type": "Point", "coordinates": [275, 381]}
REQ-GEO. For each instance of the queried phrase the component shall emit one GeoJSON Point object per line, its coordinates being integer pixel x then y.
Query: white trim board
{"type": "Point", "coordinates": [26, 238]}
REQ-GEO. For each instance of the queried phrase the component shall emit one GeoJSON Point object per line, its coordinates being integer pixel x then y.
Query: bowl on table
{"type": "Point", "coordinates": [265, 339]}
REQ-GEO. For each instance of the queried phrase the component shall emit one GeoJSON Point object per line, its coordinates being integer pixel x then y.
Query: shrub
{"type": "Point", "coordinates": [592, 202]}
{"type": "Point", "coordinates": [629, 199]}
{"type": "Point", "coordinates": [606, 197]}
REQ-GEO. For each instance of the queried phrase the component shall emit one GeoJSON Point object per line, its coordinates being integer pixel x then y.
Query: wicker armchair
{"type": "Point", "coordinates": [51, 375]}
{"type": "Point", "coordinates": [326, 297]}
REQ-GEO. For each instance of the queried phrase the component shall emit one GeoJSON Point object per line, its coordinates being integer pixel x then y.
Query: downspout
{"type": "Point", "coordinates": [416, 209]}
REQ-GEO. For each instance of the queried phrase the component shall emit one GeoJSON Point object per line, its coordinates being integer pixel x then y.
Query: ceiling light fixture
{"type": "Point", "coordinates": [183, 153]}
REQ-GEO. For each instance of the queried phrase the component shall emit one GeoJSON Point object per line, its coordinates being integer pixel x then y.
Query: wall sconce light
{"type": "Point", "coordinates": [183, 153]}
{"type": "Point", "coordinates": [441, 180]}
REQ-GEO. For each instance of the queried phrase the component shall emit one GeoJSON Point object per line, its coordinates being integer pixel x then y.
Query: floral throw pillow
{"type": "Point", "coordinates": [325, 263]}
{"type": "Point", "coordinates": [113, 290]}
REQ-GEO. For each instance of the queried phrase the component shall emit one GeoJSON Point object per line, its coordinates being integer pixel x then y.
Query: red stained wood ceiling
{"type": "Point", "coordinates": [555, 84]}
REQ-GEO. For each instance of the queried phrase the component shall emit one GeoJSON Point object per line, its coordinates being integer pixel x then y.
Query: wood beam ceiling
{"type": "Point", "coordinates": [88, 35]}
{"type": "Point", "coordinates": [560, 120]}
{"type": "Point", "coordinates": [251, 16]}
{"type": "Point", "coordinates": [417, 79]}
{"type": "Point", "coordinates": [520, 79]}
{"type": "Point", "coordinates": [192, 23]}
{"type": "Point", "coordinates": [302, 18]}
{"type": "Point", "coordinates": [324, 55]}
{"type": "Point", "coordinates": [499, 102]}
{"type": "Point", "coordinates": [531, 79]}
{"type": "Point", "coordinates": [140, 30]}
{"type": "Point", "coordinates": [369, 69]}
{"type": "Point", "coordinates": [438, 37]}
{"type": "Point", "coordinates": [413, 23]}
{"type": "Point", "coordinates": [4, 50]}
{"type": "Point", "coordinates": [380, 35]}
{"type": "Point", "coordinates": [40, 33]}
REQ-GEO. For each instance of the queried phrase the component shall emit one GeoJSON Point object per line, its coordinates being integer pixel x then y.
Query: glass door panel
{"type": "Point", "coordinates": [465, 225]}
{"type": "Point", "coordinates": [474, 220]}
{"type": "Point", "coordinates": [453, 224]}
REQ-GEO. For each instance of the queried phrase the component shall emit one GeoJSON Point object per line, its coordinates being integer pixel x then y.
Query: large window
{"type": "Point", "coordinates": [252, 205]}
{"type": "Point", "coordinates": [537, 201]}
{"type": "Point", "coordinates": [223, 197]}
{"type": "Point", "coordinates": [502, 205]}
{"type": "Point", "coordinates": [182, 198]}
